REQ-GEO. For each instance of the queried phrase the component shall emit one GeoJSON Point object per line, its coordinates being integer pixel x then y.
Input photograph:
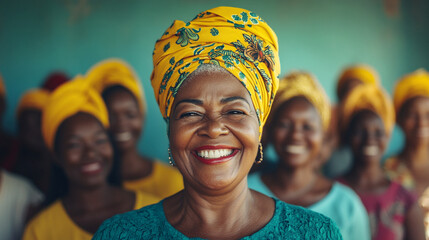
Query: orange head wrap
{"type": "Point", "coordinates": [67, 100]}
{"type": "Point", "coordinates": [33, 99]}
{"type": "Point", "coordinates": [415, 84]}
{"type": "Point", "coordinates": [372, 98]}
{"type": "Point", "coordinates": [233, 38]}
{"type": "Point", "coordinates": [114, 72]}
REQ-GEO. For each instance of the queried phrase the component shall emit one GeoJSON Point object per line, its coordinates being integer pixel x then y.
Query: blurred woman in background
{"type": "Point", "coordinates": [338, 157]}
{"type": "Point", "coordinates": [126, 104]}
{"type": "Point", "coordinates": [34, 158]}
{"type": "Point", "coordinates": [411, 99]}
{"type": "Point", "coordinates": [86, 187]}
{"type": "Point", "coordinates": [296, 126]}
{"type": "Point", "coordinates": [368, 119]}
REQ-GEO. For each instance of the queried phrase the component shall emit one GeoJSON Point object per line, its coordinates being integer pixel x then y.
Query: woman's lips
{"type": "Point", "coordinates": [371, 150]}
{"type": "Point", "coordinates": [295, 149]}
{"type": "Point", "coordinates": [214, 154]}
{"type": "Point", "coordinates": [91, 168]}
{"type": "Point", "coordinates": [123, 137]}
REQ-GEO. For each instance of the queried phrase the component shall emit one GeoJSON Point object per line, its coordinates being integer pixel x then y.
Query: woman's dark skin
{"type": "Point", "coordinates": [214, 109]}
{"type": "Point", "coordinates": [127, 120]}
{"type": "Point", "coordinates": [368, 141]}
{"type": "Point", "coordinates": [85, 154]}
{"type": "Point", "coordinates": [413, 118]}
{"type": "Point", "coordinates": [34, 159]}
{"type": "Point", "coordinates": [297, 139]}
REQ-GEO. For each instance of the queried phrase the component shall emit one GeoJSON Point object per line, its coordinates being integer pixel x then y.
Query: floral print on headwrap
{"type": "Point", "coordinates": [233, 38]}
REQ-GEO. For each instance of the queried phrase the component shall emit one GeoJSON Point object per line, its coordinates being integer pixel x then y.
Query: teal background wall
{"type": "Point", "coordinates": [37, 37]}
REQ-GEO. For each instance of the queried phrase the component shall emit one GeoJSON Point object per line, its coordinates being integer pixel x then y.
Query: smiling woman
{"type": "Point", "coordinates": [214, 79]}
{"type": "Point", "coordinates": [86, 192]}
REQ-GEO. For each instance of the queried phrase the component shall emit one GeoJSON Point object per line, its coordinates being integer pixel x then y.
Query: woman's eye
{"type": "Point", "coordinates": [236, 112]}
{"type": "Point", "coordinates": [308, 127]}
{"type": "Point", "coordinates": [189, 114]}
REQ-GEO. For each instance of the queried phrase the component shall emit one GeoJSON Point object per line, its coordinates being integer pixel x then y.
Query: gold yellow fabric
{"type": "Point", "coordinates": [54, 223]}
{"type": "Point", "coordinates": [306, 85]}
{"type": "Point", "coordinates": [233, 38]}
{"type": "Point", "coordinates": [111, 72]}
{"type": "Point", "coordinates": [2, 87]}
{"type": "Point", "coordinates": [412, 85]}
{"type": "Point", "coordinates": [372, 98]}
{"type": "Point", "coordinates": [362, 72]}
{"type": "Point", "coordinates": [157, 183]}
{"type": "Point", "coordinates": [68, 99]}
{"type": "Point", "coordinates": [33, 99]}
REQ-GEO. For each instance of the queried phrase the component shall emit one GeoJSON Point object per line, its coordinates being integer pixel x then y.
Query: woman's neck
{"type": "Point", "coordinates": [293, 179]}
{"type": "Point", "coordinates": [88, 200]}
{"type": "Point", "coordinates": [369, 176]}
{"type": "Point", "coordinates": [226, 214]}
{"type": "Point", "coordinates": [134, 166]}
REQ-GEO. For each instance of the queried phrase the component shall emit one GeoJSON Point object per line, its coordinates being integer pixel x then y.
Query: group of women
{"type": "Point", "coordinates": [215, 79]}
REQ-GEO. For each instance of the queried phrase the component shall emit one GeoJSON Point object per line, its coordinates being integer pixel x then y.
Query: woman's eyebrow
{"type": "Point", "coordinates": [189, 100]}
{"type": "Point", "coordinates": [234, 98]}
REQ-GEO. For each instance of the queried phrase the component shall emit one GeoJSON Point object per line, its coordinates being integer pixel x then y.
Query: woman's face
{"type": "Point", "coordinates": [368, 138]}
{"type": "Point", "coordinates": [297, 133]}
{"type": "Point", "coordinates": [126, 119]}
{"type": "Point", "coordinates": [214, 132]}
{"type": "Point", "coordinates": [84, 151]}
{"type": "Point", "coordinates": [414, 120]}
{"type": "Point", "coordinates": [29, 130]}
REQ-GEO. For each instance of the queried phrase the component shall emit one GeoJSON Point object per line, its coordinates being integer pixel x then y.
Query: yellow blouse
{"type": "Point", "coordinates": [54, 222]}
{"type": "Point", "coordinates": [164, 181]}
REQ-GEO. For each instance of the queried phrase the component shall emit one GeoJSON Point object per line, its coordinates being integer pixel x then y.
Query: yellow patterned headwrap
{"type": "Point", "coordinates": [67, 100]}
{"type": "Point", "coordinates": [306, 85]}
{"type": "Point", "coordinates": [233, 38]}
{"type": "Point", "coordinates": [33, 99]}
{"type": "Point", "coordinates": [362, 72]}
{"type": "Point", "coordinates": [111, 72]}
{"type": "Point", "coordinates": [412, 85]}
{"type": "Point", "coordinates": [372, 98]}
{"type": "Point", "coordinates": [2, 87]}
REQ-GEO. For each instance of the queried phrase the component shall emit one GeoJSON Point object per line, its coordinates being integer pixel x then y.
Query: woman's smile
{"type": "Point", "coordinates": [215, 154]}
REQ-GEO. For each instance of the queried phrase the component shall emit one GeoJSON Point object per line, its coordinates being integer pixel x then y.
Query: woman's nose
{"type": "Point", "coordinates": [213, 127]}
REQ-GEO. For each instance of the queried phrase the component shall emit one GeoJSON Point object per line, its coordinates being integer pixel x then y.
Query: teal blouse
{"type": "Point", "coordinates": [288, 222]}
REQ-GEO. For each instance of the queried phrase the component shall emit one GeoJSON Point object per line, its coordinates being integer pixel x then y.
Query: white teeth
{"type": "Point", "coordinates": [370, 150]}
{"type": "Point", "coordinates": [213, 154]}
{"type": "Point", "coordinates": [91, 167]}
{"type": "Point", "coordinates": [295, 149]}
{"type": "Point", "coordinates": [423, 132]}
{"type": "Point", "coordinates": [122, 137]}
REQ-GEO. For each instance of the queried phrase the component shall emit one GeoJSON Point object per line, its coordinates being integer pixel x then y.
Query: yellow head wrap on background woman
{"type": "Point", "coordinates": [233, 38]}
{"type": "Point", "coordinates": [415, 84]}
{"type": "Point", "coordinates": [33, 99]}
{"type": "Point", "coordinates": [2, 87]}
{"type": "Point", "coordinates": [363, 72]}
{"type": "Point", "coordinates": [303, 84]}
{"type": "Point", "coordinates": [372, 98]}
{"type": "Point", "coordinates": [112, 72]}
{"type": "Point", "coordinates": [67, 100]}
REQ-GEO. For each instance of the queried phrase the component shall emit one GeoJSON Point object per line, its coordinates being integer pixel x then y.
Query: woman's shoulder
{"type": "Point", "coordinates": [143, 223]}
{"type": "Point", "coordinates": [298, 222]}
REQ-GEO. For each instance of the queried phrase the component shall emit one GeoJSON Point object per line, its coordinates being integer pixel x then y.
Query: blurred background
{"type": "Point", "coordinates": [41, 36]}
